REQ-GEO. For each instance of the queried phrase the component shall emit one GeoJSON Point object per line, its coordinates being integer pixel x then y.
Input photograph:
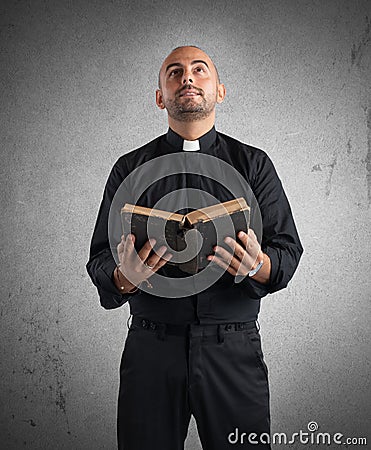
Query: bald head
{"type": "Point", "coordinates": [180, 51]}
{"type": "Point", "coordinates": [189, 89]}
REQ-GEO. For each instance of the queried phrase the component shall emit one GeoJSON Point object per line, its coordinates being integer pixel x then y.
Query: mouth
{"type": "Point", "coordinates": [189, 93]}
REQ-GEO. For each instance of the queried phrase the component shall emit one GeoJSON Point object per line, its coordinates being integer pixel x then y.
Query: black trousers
{"type": "Point", "coordinates": [216, 373]}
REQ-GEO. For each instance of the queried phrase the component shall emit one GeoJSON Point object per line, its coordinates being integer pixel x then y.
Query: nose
{"type": "Point", "coordinates": [187, 77]}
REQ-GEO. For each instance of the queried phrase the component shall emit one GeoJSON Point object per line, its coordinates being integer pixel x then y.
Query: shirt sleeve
{"type": "Point", "coordinates": [102, 264]}
{"type": "Point", "coordinates": [280, 239]}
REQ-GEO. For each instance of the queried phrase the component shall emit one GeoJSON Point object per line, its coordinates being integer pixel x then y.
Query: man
{"type": "Point", "coordinates": [197, 351]}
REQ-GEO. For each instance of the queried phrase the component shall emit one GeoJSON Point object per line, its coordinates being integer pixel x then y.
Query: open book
{"type": "Point", "coordinates": [189, 237]}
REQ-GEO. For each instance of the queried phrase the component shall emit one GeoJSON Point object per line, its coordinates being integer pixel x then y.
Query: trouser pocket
{"type": "Point", "coordinates": [254, 340]}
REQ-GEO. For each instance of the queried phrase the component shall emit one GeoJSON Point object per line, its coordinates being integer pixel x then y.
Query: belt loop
{"type": "Point", "coordinates": [220, 334]}
{"type": "Point", "coordinates": [161, 331]}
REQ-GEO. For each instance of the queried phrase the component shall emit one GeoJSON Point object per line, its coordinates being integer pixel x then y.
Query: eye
{"type": "Point", "coordinates": [174, 73]}
{"type": "Point", "coordinates": [200, 69]}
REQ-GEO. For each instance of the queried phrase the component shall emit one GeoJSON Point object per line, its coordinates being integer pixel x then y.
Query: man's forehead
{"type": "Point", "coordinates": [186, 54]}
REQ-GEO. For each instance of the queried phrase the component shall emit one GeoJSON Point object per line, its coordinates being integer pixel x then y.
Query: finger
{"type": "Point", "coordinates": [249, 238]}
{"type": "Point", "coordinates": [251, 244]}
{"type": "Point", "coordinates": [251, 234]}
{"type": "Point", "coordinates": [129, 252]}
{"type": "Point", "coordinates": [153, 260]}
{"type": "Point", "coordinates": [242, 261]}
{"type": "Point", "coordinates": [234, 268]}
{"type": "Point", "coordinates": [167, 257]}
{"type": "Point", "coordinates": [238, 256]}
{"type": "Point", "coordinates": [162, 262]}
{"type": "Point", "coordinates": [247, 256]}
{"type": "Point", "coordinates": [229, 259]}
{"type": "Point", "coordinates": [221, 263]}
{"type": "Point", "coordinates": [120, 247]}
{"type": "Point", "coordinates": [243, 237]}
{"type": "Point", "coordinates": [145, 251]}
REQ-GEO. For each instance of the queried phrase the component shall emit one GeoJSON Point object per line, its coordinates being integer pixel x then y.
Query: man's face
{"type": "Point", "coordinates": [189, 87]}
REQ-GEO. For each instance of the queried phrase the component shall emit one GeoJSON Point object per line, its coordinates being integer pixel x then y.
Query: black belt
{"type": "Point", "coordinates": [184, 330]}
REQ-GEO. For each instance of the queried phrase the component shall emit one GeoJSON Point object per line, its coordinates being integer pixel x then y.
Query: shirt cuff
{"type": "Point", "coordinates": [110, 296]}
{"type": "Point", "coordinates": [253, 288]}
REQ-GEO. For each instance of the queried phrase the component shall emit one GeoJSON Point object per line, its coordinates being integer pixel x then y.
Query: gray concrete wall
{"type": "Point", "coordinates": [77, 91]}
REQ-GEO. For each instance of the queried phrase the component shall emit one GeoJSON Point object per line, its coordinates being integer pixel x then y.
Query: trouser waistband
{"type": "Point", "coordinates": [191, 329]}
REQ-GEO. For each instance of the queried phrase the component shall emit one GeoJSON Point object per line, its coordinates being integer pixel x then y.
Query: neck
{"type": "Point", "coordinates": [191, 131]}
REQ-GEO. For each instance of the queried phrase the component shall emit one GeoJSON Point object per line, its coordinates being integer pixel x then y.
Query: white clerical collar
{"type": "Point", "coordinates": [191, 146]}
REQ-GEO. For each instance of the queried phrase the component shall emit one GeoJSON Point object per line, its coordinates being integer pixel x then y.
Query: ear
{"type": "Point", "coordinates": [159, 99]}
{"type": "Point", "coordinates": [221, 93]}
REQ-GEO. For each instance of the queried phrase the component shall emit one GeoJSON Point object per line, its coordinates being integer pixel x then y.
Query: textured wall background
{"type": "Point", "coordinates": [77, 91]}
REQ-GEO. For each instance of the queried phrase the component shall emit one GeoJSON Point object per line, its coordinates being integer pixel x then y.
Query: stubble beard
{"type": "Point", "coordinates": [187, 110]}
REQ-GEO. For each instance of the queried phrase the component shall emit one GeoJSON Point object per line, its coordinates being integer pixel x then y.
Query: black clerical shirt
{"type": "Point", "coordinates": [225, 300]}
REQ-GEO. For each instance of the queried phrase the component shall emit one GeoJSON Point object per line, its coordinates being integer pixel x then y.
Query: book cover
{"type": "Point", "coordinates": [192, 236]}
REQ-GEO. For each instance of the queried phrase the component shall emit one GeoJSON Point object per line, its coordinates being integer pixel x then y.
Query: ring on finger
{"type": "Point", "coordinates": [149, 265]}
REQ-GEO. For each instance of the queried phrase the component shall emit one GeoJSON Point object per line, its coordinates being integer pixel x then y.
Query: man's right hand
{"type": "Point", "coordinates": [137, 267]}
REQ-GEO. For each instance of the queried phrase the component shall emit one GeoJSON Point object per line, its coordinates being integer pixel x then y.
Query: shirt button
{"type": "Point", "coordinates": [144, 323]}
